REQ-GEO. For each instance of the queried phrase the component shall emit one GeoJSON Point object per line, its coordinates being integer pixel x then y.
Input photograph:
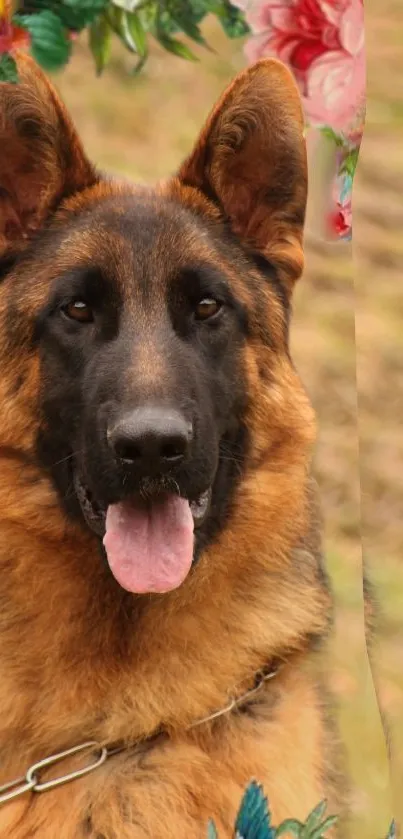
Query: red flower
{"type": "Point", "coordinates": [11, 36]}
{"type": "Point", "coordinates": [304, 33]}
{"type": "Point", "coordinates": [340, 221]}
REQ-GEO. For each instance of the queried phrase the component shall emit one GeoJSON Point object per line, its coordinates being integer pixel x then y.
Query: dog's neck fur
{"type": "Point", "coordinates": [74, 621]}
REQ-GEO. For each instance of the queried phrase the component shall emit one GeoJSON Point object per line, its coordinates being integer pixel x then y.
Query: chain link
{"type": "Point", "coordinates": [261, 679]}
{"type": "Point", "coordinates": [32, 782]}
{"type": "Point", "coordinates": [14, 789]}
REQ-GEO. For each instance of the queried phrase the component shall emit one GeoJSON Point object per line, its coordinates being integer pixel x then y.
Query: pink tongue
{"type": "Point", "coordinates": [150, 546]}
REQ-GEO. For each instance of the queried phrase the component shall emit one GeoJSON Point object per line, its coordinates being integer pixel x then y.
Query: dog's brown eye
{"type": "Point", "coordinates": [78, 310]}
{"type": "Point", "coordinates": [207, 308]}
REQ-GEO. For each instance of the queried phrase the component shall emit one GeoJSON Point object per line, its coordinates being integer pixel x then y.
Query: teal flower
{"type": "Point", "coordinates": [254, 820]}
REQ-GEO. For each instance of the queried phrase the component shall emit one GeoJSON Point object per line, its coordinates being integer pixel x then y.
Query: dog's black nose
{"type": "Point", "coordinates": [151, 439]}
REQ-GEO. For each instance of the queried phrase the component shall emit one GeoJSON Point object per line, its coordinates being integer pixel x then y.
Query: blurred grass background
{"type": "Point", "coordinates": [141, 128]}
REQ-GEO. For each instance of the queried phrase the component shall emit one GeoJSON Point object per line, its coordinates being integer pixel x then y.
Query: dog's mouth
{"type": "Point", "coordinates": [149, 541]}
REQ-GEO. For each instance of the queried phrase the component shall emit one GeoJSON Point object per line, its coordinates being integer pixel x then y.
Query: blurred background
{"type": "Point", "coordinates": [347, 344]}
{"type": "Point", "coordinates": [378, 255]}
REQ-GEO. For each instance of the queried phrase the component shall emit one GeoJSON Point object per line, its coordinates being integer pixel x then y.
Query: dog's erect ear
{"type": "Point", "coordinates": [251, 159]}
{"type": "Point", "coordinates": [41, 157]}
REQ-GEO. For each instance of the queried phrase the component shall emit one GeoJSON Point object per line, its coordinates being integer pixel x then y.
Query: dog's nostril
{"type": "Point", "coordinates": [125, 451]}
{"type": "Point", "coordinates": [173, 450]}
{"type": "Point", "coordinates": [151, 439]}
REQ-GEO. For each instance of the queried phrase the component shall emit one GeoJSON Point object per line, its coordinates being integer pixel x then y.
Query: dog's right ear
{"type": "Point", "coordinates": [41, 158]}
{"type": "Point", "coordinates": [250, 161]}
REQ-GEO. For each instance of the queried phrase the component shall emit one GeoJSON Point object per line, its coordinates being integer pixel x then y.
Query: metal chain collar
{"type": "Point", "coordinates": [31, 781]}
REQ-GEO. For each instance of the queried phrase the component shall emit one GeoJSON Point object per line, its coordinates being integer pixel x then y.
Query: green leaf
{"type": "Point", "coordinates": [200, 8]}
{"type": "Point", "coordinates": [166, 23]}
{"type": "Point", "coordinates": [129, 27]}
{"type": "Point", "coordinates": [136, 33]}
{"type": "Point", "coordinates": [321, 830]}
{"type": "Point", "coordinates": [148, 15]}
{"type": "Point", "coordinates": [314, 818]}
{"type": "Point", "coordinates": [115, 18]}
{"type": "Point", "coordinates": [91, 6]}
{"type": "Point", "coordinates": [192, 30]}
{"type": "Point", "coordinates": [349, 165]}
{"type": "Point", "coordinates": [212, 831]}
{"type": "Point", "coordinates": [290, 826]}
{"type": "Point", "coordinates": [176, 47]}
{"type": "Point", "coordinates": [80, 13]}
{"type": "Point", "coordinates": [50, 45]}
{"type": "Point", "coordinates": [392, 831]}
{"type": "Point", "coordinates": [231, 18]}
{"type": "Point", "coordinates": [130, 5]}
{"type": "Point", "coordinates": [182, 13]}
{"type": "Point", "coordinates": [8, 69]}
{"type": "Point", "coordinates": [100, 38]}
{"type": "Point", "coordinates": [74, 14]}
{"type": "Point", "coordinates": [331, 135]}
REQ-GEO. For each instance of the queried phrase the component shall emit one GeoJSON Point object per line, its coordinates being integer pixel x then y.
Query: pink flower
{"type": "Point", "coordinates": [296, 31]}
{"type": "Point", "coordinates": [356, 127]}
{"type": "Point", "coordinates": [323, 44]}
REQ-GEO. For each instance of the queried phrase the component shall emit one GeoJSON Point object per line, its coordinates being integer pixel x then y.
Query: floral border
{"type": "Point", "coordinates": [322, 41]}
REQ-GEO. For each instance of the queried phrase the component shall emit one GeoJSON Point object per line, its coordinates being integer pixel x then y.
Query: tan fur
{"type": "Point", "coordinates": [78, 660]}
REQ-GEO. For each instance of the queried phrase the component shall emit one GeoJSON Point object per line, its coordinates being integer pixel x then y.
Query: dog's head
{"type": "Point", "coordinates": [144, 332]}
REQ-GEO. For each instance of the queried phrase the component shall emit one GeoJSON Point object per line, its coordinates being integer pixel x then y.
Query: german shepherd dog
{"type": "Point", "coordinates": [162, 589]}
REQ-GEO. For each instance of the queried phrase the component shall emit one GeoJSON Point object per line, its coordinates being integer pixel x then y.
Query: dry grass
{"type": "Point", "coordinates": [347, 343]}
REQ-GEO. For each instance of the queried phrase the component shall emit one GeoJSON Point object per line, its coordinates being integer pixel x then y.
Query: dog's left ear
{"type": "Point", "coordinates": [250, 159]}
{"type": "Point", "coordinates": [41, 157]}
